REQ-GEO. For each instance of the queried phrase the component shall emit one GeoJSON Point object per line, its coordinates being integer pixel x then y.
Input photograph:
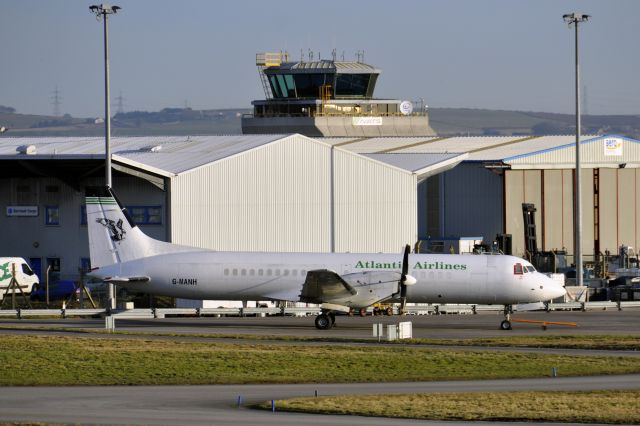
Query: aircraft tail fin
{"type": "Point", "coordinates": [113, 236]}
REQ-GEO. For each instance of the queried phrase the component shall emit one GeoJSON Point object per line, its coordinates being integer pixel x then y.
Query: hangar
{"type": "Point", "coordinates": [483, 195]}
{"type": "Point", "coordinates": [235, 193]}
{"type": "Point", "coordinates": [295, 193]}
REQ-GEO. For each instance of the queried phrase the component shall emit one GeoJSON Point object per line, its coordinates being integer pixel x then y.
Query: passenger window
{"type": "Point", "coordinates": [260, 272]}
{"type": "Point", "coordinates": [226, 271]}
{"type": "Point", "coordinates": [268, 272]}
{"type": "Point", "coordinates": [252, 272]}
{"type": "Point", "coordinates": [243, 272]}
{"type": "Point", "coordinates": [517, 269]}
{"type": "Point", "coordinates": [286, 272]}
{"type": "Point", "coordinates": [235, 271]}
{"type": "Point", "coordinates": [294, 272]}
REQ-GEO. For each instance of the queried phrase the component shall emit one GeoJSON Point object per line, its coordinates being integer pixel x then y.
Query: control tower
{"type": "Point", "coordinates": [328, 98]}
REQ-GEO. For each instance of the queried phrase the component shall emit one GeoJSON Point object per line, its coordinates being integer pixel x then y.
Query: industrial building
{"type": "Point", "coordinates": [295, 193]}
{"type": "Point", "coordinates": [231, 193]}
{"type": "Point", "coordinates": [483, 196]}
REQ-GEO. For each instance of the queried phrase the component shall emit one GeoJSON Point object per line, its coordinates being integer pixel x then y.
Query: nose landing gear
{"type": "Point", "coordinates": [506, 324]}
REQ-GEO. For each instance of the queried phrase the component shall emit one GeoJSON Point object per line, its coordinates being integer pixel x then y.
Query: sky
{"type": "Point", "coordinates": [494, 54]}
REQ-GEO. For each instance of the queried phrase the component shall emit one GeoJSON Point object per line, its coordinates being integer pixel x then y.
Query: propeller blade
{"type": "Point", "coordinates": [405, 262]}
{"type": "Point", "coordinates": [403, 278]}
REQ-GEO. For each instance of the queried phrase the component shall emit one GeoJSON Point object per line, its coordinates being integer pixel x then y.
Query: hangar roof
{"type": "Point", "coordinates": [164, 155]}
{"type": "Point", "coordinates": [424, 165]}
{"type": "Point", "coordinates": [596, 152]}
{"type": "Point", "coordinates": [171, 155]}
{"type": "Point", "coordinates": [479, 148]}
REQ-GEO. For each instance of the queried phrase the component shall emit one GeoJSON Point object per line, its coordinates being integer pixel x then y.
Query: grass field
{"type": "Point", "coordinates": [75, 360]}
{"type": "Point", "coordinates": [613, 407]}
{"type": "Point", "coordinates": [602, 342]}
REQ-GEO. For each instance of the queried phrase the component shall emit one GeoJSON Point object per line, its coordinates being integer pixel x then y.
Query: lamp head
{"type": "Point", "coordinates": [104, 9]}
{"type": "Point", "coordinates": [574, 18]}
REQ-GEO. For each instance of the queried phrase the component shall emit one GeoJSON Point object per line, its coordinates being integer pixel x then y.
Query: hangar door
{"type": "Point", "coordinates": [610, 208]}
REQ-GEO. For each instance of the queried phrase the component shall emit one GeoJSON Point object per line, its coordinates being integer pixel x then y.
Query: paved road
{"type": "Point", "coordinates": [189, 405]}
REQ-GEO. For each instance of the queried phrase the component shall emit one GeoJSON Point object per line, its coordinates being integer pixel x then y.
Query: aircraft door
{"type": "Point", "coordinates": [480, 275]}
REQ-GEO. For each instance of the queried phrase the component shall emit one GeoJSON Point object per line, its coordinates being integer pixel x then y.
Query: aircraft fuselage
{"type": "Point", "coordinates": [440, 278]}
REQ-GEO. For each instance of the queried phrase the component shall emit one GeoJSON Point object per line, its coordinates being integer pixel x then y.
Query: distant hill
{"type": "Point", "coordinates": [461, 121]}
{"type": "Point", "coordinates": [186, 121]}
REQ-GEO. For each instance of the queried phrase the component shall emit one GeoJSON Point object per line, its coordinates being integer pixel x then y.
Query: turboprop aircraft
{"type": "Point", "coordinates": [122, 254]}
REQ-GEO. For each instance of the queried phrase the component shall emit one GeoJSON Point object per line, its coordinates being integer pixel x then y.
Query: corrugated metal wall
{"type": "Point", "coordinates": [273, 198]}
{"type": "Point", "coordinates": [376, 205]}
{"type": "Point", "coordinates": [619, 208]}
{"type": "Point", "coordinates": [472, 202]}
{"type": "Point", "coordinates": [278, 198]}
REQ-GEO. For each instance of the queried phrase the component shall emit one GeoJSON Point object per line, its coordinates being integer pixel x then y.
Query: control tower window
{"type": "Point", "coordinates": [308, 85]}
{"type": "Point", "coordinates": [282, 86]}
{"type": "Point", "coordinates": [352, 85]}
{"type": "Point", "coordinates": [274, 87]}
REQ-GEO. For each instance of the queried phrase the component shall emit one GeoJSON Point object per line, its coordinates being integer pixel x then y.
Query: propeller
{"type": "Point", "coordinates": [405, 279]}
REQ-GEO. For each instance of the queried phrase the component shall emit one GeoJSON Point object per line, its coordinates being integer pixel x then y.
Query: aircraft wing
{"type": "Point", "coordinates": [130, 280]}
{"type": "Point", "coordinates": [323, 286]}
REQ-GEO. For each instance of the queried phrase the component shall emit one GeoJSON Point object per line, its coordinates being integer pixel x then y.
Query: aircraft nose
{"type": "Point", "coordinates": [553, 289]}
{"type": "Point", "coordinates": [558, 291]}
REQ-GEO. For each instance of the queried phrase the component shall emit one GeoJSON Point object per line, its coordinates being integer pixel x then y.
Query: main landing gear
{"type": "Point", "coordinates": [506, 324]}
{"type": "Point", "coordinates": [325, 320]}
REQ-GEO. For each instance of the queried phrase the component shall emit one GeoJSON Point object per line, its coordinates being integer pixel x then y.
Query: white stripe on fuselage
{"type": "Point", "coordinates": [258, 276]}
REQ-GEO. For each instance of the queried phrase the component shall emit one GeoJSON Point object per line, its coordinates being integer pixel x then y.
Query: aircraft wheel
{"type": "Point", "coordinates": [505, 325]}
{"type": "Point", "coordinates": [323, 322]}
{"type": "Point", "coordinates": [363, 312]}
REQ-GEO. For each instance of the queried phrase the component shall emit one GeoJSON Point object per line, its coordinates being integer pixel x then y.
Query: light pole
{"type": "Point", "coordinates": [103, 11]}
{"type": "Point", "coordinates": [574, 19]}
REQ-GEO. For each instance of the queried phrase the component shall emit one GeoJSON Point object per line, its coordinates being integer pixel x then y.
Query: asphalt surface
{"type": "Point", "coordinates": [469, 326]}
{"type": "Point", "coordinates": [190, 405]}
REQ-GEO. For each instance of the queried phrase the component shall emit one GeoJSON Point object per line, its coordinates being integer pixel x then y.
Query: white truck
{"type": "Point", "coordinates": [25, 277]}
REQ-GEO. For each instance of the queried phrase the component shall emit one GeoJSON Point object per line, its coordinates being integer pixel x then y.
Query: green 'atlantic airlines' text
{"type": "Point", "coordinates": [370, 264]}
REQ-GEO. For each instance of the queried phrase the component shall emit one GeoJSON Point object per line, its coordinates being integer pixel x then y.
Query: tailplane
{"type": "Point", "coordinates": [113, 236]}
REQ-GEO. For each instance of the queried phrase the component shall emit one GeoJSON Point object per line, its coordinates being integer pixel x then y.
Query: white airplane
{"type": "Point", "coordinates": [339, 282]}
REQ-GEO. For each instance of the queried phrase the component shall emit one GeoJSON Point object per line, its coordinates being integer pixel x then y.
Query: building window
{"type": "Point", "coordinates": [83, 215]}
{"type": "Point", "coordinates": [85, 264]}
{"type": "Point", "coordinates": [52, 215]}
{"type": "Point", "coordinates": [146, 215]}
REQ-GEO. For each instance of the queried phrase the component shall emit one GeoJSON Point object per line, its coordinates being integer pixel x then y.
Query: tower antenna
{"type": "Point", "coordinates": [56, 101]}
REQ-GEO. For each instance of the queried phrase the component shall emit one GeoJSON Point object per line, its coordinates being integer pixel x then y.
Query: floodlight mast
{"type": "Point", "coordinates": [103, 11]}
{"type": "Point", "coordinates": [574, 19]}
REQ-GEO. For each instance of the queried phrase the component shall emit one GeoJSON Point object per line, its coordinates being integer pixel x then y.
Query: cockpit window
{"type": "Point", "coordinates": [517, 269]}
{"type": "Point", "coordinates": [531, 269]}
